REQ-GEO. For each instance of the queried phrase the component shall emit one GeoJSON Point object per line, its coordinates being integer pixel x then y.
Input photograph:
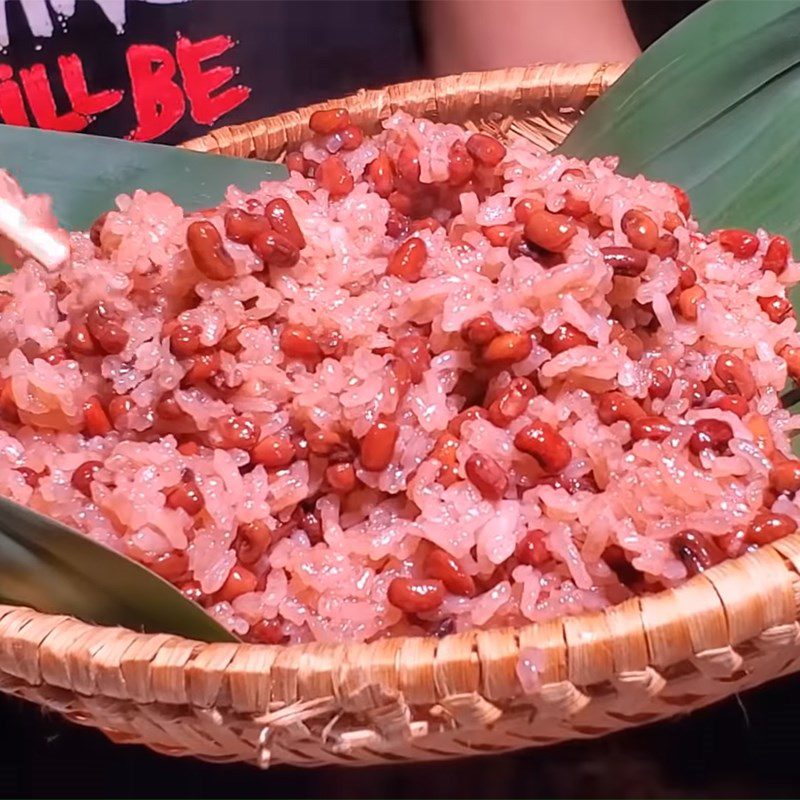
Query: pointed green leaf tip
{"type": "Point", "coordinates": [713, 107]}
{"type": "Point", "coordinates": [84, 174]}
{"type": "Point", "coordinates": [49, 567]}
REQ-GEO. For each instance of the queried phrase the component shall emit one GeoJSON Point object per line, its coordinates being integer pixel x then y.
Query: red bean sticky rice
{"type": "Point", "coordinates": [431, 382]}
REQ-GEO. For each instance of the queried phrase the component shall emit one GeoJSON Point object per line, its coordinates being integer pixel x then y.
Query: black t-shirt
{"type": "Point", "coordinates": [169, 70]}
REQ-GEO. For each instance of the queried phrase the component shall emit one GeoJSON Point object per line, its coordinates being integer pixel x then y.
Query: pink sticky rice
{"type": "Point", "coordinates": [298, 462]}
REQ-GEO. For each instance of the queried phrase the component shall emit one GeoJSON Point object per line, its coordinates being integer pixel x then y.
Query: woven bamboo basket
{"type": "Point", "coordinates": [729, 629]}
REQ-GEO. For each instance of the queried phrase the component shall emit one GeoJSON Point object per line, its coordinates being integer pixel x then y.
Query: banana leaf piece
{"type": "Point", "coordinates": [51, 568]}
{"type": "Point", "coordinates": [714, 107]}
{"type": "Point", "coordinates": [83, 174]}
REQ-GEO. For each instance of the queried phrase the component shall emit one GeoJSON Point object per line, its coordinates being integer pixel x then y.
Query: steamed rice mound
{"type": "Point", "coordinates": [443, 385]}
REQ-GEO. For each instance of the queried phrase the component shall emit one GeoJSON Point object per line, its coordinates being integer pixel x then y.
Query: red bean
{"type": "Point", "coordinates": [742, 244]}
{"type": "Point", "coordinates": [508, 348]}
{"type": "Point", "coordinates": [640, 229]}
{"type": "Point", "coordinates": [667, 246]}
{"type": "Point", "coordinates": [415, 596]}
{"type": "Point", "coordinates": [426, 224]}
{"type": "Point", "coordinates": [524, 207]}
{"type": "Point", "coordinates": [625, 261]}
{"type": "Point", "coordinates": [733, 376]}
{"type": "Point", "coordinates": [408, 163]}
{"type": "Point", "coordinates": [791, 355]}
{"type": "Point", "coordinates": [777, 309]}
{"type": "Point", "coordinates": [282, 219]}
{"type": "Point", "coordinates": [295, 162]}
{"type": "Point", "coordinates": [687, 277]}
{"type": "Point", "coordinates": [396, 224]}
{"type": "Point", "coordinates": [252, 541]}
{"type": "Point", "coordinates": [442, 566]}
{"type": "Point", "coordinates": [172, 567]}
{"type": "Point", "coordinates": [629, 340]}
{"type": "Point", "coordinates": [31, 477]}
{"type": "Point", "coordinates": [697, 551]}
{"type": "Point", "coordinates": [80, 341]}
{"type": "Point", "coordinates": [485, 149]}
{"type": "Point", "coordinates": [480, 331]}
{"type": "Point", "coordinates": [239, 432]}
{"type": "Point", "coordinates": [575, 206]}
{"type": "Point", "coordinates": [242, 226]}
{"type": "Point", "coordinates": [672, 221]}
{"type": "Point", "coordinates": [239, 581]}
{"type": "Point", "coordinates": [401, 203]}
{"type": "Point", "coordinates": [342, 477]}
{"type": "Point", "coordinates": [549, 231]}
{"type": "Point", "coordinates": [188, 448]}
{"type": "Point", "coordinates": [324, 443]}
{"type": "Point", "coordinates": [192, 591]}
{"type": "Point", "coordinates": [734, 403]}
{"type": "Point", "coordinates": [769, 527]}
{"type": "Point", "coordinates": [616, 406]}
{"type": "Point", "coordinates": [209, 255]}
{"type": "Point", "coordinates": [95, 419]}
{"type": "Point", "coordinates": [186, 495]}
{"type": "Point", "coordinates": [168, 408]}
{"type": "Point", "coordinates": [106, 329]}
{"type": "Point", "coordinates": [298, 341]}
{"type": "Point", "coordinates": [408, 260]}
{"type": "Point", "coordinates": [413, 350]}
{"type": "Point", "coordinates": [488, 477]}
{"type": "Point", "coordinates": [273, 452]}
{"type": "Point", "coordinates": [275, 250]}
{"type": "Point", "coordinates": [695, 393]}
{"type": "Point", "coordinates": [446, 451]}
{"type": "Point", "coordinates": [83, 476]}
{"type": "Point", "coordinates": [655, 429]}
{"type": "Point", "coordinates": [184, 341]}
{"type": "Point", "coordinates": [8, 404]}
{"type": "Point", "coordinates": [55, 355]}
{"type": "Point", "coordinates": [777, 255]}
{"type": "Point", "coordinates": [460, 164]}
{"type": "Point", "coordinates": [377, 446]}
{"type": "Point", "coordinates": [684, 204]}
{"type": "Point", "coordinates": [511, 402]}
{"type": "Point", "coordinates": [688, 300]}
{"type": "Point", "coordinates": [563, 338]}
{"type": "Point", "coordinates": [351, 137]}
{"type": "Point", "coordinates": [333, 176]}
{"type": "Point", "coordinates": [784, 477]}
{"type": "Point", "coordinates": [268, 631]}
{"type": "Point", "coordinates": [531, 549]}
{"type": "Point", "coordinates": [230, 342]}
{"type": "Point", "coordinates": [710, 434]}
{"type": "Point", "coordinates": [380, 174]}
{"type": "Point", "coordinates": [498, 235]}
{"type": "Point", "coordinates": [201, 366]}
{"type": "Point", "coordinates": [97, 229]}
{"type": "Point", "coordinates": [550, 449]}
{"type": "Point", "coordinates": [329, 120]}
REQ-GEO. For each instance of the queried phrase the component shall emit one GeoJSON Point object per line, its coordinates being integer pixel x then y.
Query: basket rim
{"type": "Point", "coordinates": [734, 602]}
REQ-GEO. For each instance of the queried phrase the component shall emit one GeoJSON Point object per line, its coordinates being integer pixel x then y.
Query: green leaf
{"type": "Point", "coordinates": [51, 568]}
{"type": "Point", "coordinates": [83, 174]}
{"type": "Point", "coordinates": [714, 107]}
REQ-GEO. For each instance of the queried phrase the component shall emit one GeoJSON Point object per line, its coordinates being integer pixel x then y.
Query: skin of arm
{"type": "Point", "coordinates": [468, 35]}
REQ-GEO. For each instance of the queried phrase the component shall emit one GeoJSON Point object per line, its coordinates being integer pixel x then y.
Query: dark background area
{"type": "Point", "coordinates": [744, 747]}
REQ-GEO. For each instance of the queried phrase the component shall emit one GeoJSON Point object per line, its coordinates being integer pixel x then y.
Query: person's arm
{"type": "Point", "coordinates": [466, 35]}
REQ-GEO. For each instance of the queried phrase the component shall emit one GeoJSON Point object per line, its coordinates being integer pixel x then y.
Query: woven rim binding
{"type": "Point", "coordinates": [420, 698]}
